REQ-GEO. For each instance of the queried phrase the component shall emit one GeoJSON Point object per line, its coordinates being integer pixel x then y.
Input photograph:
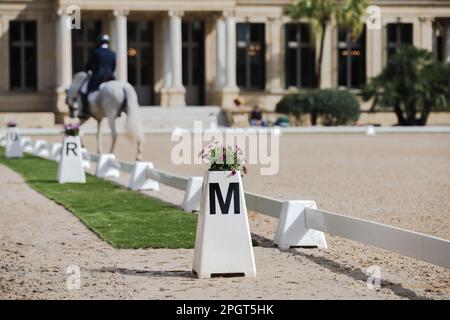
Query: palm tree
{"type": "Point", "coordinates": [348, 14]}
{"type": "Point", "coordinates": [413, 84]}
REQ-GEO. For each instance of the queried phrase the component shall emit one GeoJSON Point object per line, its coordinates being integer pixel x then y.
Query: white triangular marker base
{"type": "Point", "coordinates": [105, 166]}
{"type": "Point", "coordinates": [193, 194]}
{"type": "Point", "coordinates": [223, 244]}
{"type": "Point", "coordinates": [70, 169]}
{"type": "Point", "coordinates": [55, 152]}
{"type": "Point", "coordinates": [292, 230]}
{"type": "Point", "coordinates": [40, 148]}
{"type": "Point", "coordinates": [138, 177]}
{"type": "Point", "coordinates": [13, 147]}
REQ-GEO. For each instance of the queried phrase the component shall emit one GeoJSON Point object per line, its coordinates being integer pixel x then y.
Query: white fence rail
{"type": "Point", "coordinates": [409, 243]}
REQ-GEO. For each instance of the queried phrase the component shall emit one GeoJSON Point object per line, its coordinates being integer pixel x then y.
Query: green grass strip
{"type": "Point", "coordinates": [124, 218]}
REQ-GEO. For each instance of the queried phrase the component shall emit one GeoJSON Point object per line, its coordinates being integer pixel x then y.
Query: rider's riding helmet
{"type": "Point", "coordinates": [104, 38]}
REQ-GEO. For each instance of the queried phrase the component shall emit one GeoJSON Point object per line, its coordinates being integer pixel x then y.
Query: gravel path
{"type": "Point", "coordinates": [402, 180]}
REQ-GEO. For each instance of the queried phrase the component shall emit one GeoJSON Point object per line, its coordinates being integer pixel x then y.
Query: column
{"type": "Point", "coordinates": [326, 77]}
{"type": "Point", "coordinates": [176, 49]}
{"type": "Point", "coordinates": [63, 47]}
{"type": "Point", "coordinates": [64, 51]}
{"type": "Point", "coordinates": [426, 32]}
{"type": "Point", "coordinates": [119, 42]}
{"type": "Point", "coordinates": [275, 74]}
{"type": "Point", "coordinates": [173, 93]}
{"type": "Point", "coordinates": [220, 53]}
{"type": "Point", "coordinates": [375, 49]}
{"type": "Point", "coordinates": [230, 37]}
{"type": "Point", "coordinates": [447, 43]}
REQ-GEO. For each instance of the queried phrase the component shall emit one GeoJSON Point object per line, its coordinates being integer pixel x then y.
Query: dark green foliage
{"type": "Point", "coordinates": [332, 107]}
{"type": "Point", "coordinates": [413, 84]}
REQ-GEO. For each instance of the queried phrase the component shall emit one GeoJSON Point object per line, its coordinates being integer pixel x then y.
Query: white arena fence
{"type": "Point", "coordinates": [307, 219]}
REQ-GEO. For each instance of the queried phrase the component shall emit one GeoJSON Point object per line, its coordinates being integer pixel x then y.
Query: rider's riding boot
{"type": "Point", "coordinates": [84, 110]}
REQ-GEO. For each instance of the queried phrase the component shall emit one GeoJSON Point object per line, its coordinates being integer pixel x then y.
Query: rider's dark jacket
{"type": "Point", "coordinates": [102, 63]}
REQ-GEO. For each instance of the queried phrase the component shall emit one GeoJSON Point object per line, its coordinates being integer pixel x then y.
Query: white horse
{"type": "Point", "coordinates": [112, 98]}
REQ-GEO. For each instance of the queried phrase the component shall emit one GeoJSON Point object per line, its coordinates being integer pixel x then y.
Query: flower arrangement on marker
{"type": "Point", "coordinates": [221, 158]}
{"type": "Point", "coordinates": [72, 130]}
{"type": "Point", "coordinates": [11, 124]}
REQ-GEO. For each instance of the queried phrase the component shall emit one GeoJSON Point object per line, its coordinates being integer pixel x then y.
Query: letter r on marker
{"type": "Point", "coordinates": [71, 146]}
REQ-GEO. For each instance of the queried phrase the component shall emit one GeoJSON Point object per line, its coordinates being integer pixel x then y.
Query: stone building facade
{"type": "Point", "coordinates": [199, 52]}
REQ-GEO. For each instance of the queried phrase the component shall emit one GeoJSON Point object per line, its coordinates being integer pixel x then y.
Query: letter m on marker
{"type": "Point", "coordinates": [232, 192]}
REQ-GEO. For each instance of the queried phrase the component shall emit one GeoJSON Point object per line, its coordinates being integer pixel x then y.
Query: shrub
{"type": "Point", "coordinates": [412, 84]}
{"type": "Point", "coordinates": [332, 107]}
{"type": "Point", "coordinates": [336, 107]}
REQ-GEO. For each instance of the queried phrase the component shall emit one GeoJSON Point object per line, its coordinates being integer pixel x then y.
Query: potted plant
{"type": "Point", "coordinates": [223, 243]}
{"type": "Point", "coordinates": [11, 124]}
{"type": "Point", "coordinates": [70, 169]}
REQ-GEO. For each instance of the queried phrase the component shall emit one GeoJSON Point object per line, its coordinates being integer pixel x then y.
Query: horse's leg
{"type": "Point", "coordinates": [99, 137]}
{"type": "Point", "coordinates": [112, 125]}
{"type": "Point", "coordinates": [139, 155]}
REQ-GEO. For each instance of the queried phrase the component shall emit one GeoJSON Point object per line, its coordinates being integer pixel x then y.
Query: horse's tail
{"type": "Point", "coordinates": [134, 126]}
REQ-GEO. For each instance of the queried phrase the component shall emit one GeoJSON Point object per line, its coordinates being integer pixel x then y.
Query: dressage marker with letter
{"type": "Point", "coordinates": [70, 169]}
{"type": "Point", "coordinates": [223, 244]}
{"type": "Point", "coordinates": [13, 147]}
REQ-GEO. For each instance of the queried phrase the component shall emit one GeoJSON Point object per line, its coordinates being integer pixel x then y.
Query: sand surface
{"type": "Point", "coordinates": [401, 180]}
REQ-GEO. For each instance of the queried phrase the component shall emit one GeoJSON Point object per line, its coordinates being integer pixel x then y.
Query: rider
{"type": "Point", "coordinates": [102, 64]}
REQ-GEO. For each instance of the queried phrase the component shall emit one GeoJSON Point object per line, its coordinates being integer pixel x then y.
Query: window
{"type": "Point", "coordinates": [398, 36]}
{"type": "Point", "coordinates": [22, 55]}
{"type": "Point", "coordinates": [300, 56]}
{"type": "Point", "coordinates": [250, 61]}
{"type": "Point", "coordinates": [84, 40]}
{"type": "Point", "coordinates": [140, 59]}
{"type": "Point", "coordinates": [351, 59]}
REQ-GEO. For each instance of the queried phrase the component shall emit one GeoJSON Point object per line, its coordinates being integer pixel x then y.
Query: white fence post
{"type": "Point", "coordinates": [292, 230]}
{"type": "Point", "coordinates": [105, 166]}
{"type": "Point", "coordinates": [86, 160]}
{"type": "Point", "coordinates": [138, 177]}
{"type": "Point", "coordinates": [26, 144]}
{"type": "Point", "coordinates": [40, 148]}
{"type": "Point", "coordinates": [55, 151]}
{"type": "Point", "coordinates": [193, 194]}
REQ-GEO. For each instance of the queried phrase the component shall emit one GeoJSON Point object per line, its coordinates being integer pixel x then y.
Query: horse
{"type": "Point", "coordinates": [112, 98]}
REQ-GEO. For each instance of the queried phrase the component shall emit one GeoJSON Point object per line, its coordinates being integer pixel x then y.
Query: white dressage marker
{"type": "Point", "coordinates": [55, 151]}
{"type": "Point", "coordinates": [107, 166]}
{"type": "Point", "coordinates": [86, 160]}
{"type": "Point", "coordinates": [26, 144]}
{"type": "Point", "coordinates": [370, 131]}
{"type": "Point", "coordinates": [223, 243]}
{"type": "Point", "coordinates": [41, 148]}
{"type": "Point", "coordinates": [292, 230]}
{"type": "Point", "coordinates": [138, 177]}
{"type": "Point", "coordinates": [13, 147]}
{"type": "Point", "coordinates": [193, 194]}
{"type": "Point", "coordinates": [70, 169]}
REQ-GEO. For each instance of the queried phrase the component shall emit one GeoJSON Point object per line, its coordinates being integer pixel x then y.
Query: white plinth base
{"type": "Point", "coordinates": [26, 144]}
{"type": "Point", "coordinates": [292, 230]}
{"type": "Point", "coordinates": [41, 149]}
{"type": "Point", "coordinates": [55, 152]}
{"type": "Point", "coordinates": [193, 194]}
{"type": "Point", "coordinates": [105, 166]}
{"type": "Point", "coordinates": [70, 169]}
{"type": "Point", "coordinates": [138, 177]}
{"type": "Point", "coordinates": [86, 162]}
{"type": "Point", "coordinates": [13, 147]}
{"type": "Point", "coordinates": [223, 244]}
